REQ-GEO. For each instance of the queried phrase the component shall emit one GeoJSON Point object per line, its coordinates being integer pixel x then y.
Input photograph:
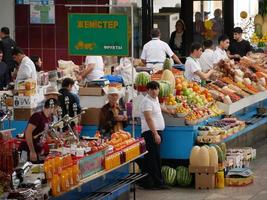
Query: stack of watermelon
{"type": "Point", "coordinates": [180, 175]}
{"type": "Point", "coordinates": [141, 80]}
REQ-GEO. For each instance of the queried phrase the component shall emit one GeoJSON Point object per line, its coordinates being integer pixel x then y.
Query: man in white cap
{"type": "Point", "coordinates": [51, 92]}
{"type": "Point", "coordinates": [111, 118]}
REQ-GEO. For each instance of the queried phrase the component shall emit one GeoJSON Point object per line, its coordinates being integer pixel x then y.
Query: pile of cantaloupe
{"type": "Point", "coordinates": [207, 155]}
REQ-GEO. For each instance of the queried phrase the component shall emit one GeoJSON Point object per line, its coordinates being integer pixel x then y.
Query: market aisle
{"type": "Point", "coordinates": [255, 191]}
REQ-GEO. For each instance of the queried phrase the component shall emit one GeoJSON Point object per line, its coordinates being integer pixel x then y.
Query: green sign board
{"type": "Point", "coordinates": [98, 34]}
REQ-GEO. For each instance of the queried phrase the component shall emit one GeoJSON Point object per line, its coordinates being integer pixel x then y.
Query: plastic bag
{"type": "Point", "coordinates": [126, 70]}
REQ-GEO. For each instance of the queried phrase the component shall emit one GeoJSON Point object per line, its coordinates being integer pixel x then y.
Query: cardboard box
{"type": "Point", "coordinates": [23, 113]}
{"type": "Point", "coordinates": [26, 101]}
{"type": "Point", "coordinates": [91, 91]}
{"type": "Point", "coordinates": [91, 116]}
{"type": "Point", "coordinates": [204, 176]}
{"type": "Point", "coordinates": [204, 181]}
{"type": "Point", "coordinates": [93, 101]}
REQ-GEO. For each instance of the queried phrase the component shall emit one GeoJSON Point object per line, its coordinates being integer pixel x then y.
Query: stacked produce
{"type": "Point", "coordinates": [240, 80]}
{"type": "Point", "coordinates": [141, 80]}
{"type": "Point", "coordinates": [260, 35]}
{"type": "Point", "coordinates": [204, 156]}
{"type": "Point", "coordinates": [215, 132]}
{"type": "Point", "coordinates": [179, 176]}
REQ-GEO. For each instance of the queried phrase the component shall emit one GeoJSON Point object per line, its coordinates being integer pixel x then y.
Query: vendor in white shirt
{"type": "Point", "coordinates": [220, 51]}
{"type": "Point", "coordinates": [154, 51]}
{"type": "Point", "coordinates": [205, 60]}
{"type": "Point", "coordinates": [26, 68]}
{"type": "Point", "coordinates": [94, 69]}
{"type": "Point", "coordinates": [192, 67]}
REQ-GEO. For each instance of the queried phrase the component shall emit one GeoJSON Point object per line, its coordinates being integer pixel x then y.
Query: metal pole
{"type": "Point", "coordinates": [132, 58]}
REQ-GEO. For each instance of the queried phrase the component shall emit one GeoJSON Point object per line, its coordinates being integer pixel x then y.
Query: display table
{"type": "Point", "coordinates": [178, 141]}
{"type": "Point", "coordinates": [94, 184]}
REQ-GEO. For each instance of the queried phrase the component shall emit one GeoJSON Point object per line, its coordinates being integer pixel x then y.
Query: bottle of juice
{"type": "Point", "coordinates": [53, 165]}
{"type": "Point", "coordinates": [55, 185]}
{"type": "Point", "coordinates": [75, 173]}
{"type": "Point", "coordinates": [48, 169]}
{"type": "Point", "coordinates": [70, 176]}
{"type": "Point", "coordinates": [58, 164]}
{"type": "Point", "coordinates": [64, 181]}
{"type": "Point", "coordinates": [219, 179]}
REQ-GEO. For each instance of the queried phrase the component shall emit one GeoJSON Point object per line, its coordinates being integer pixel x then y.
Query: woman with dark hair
{"type": "Point", "coordinates": [177, 41]}
{"type": "Point", "coordinates": [37, 62]}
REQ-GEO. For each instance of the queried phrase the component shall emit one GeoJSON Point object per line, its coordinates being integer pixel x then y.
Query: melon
{"type": "Point", "coordinates": [164, 88]}
{"type": "Point", "coordinates": [203, 156]}
{"type": "Point", "coordinates": [142, 78]}
{"type": "Point", "coordinates": [223, 148]}
{"type": "Point", "coordinates": [213, 157]}
{"type": "Point", "coordinates": [167, 64]}
{"type": "Point", "coordinates": [220, 153]}
{"type": "Point", "coordinates": [167, 75]}
{"type": "Point", "coordinates": [194, 156]}
{"type": "Point", "coordinates": [183, 176]}
{"type": "Point", "coordinates": [258, 19]}
{"type": "Point", "coordinates": [169, 176]}
{"type": "Point", "coordinates": [258, 30]}
{"type": "Point", "coordinates": [264, 28]}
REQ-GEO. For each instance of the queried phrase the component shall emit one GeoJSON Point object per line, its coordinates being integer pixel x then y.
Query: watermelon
{"type": "Point", "coordinates": [164, 88]}
{"type": "Point", "coordinates": [167, 64]}
{"type": "Point", "coordinates": [183, 176]}
{"type": "Point", "coordinates": [169, 176]}
{"type": "Point", "coordinates": [142, 79]}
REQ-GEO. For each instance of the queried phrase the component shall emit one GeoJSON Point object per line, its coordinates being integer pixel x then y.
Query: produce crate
{"type": "Point", "coordinates": [242, 103]}
{"type": "Point", "coordinates": [92, 164]}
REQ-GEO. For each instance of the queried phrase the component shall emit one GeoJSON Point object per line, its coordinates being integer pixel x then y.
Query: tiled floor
{"type": "Point", "coordinates": [255, 191]}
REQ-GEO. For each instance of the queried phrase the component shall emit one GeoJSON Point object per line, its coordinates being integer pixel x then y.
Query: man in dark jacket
{"type": "Point", "coordinates": [67, 85]}
{"type": "Point", "coordinates": [3, 72]}
{"type": "Point", "coordinates": [7, 45]}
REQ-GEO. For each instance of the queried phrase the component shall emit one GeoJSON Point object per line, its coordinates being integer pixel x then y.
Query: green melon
{"type": "Point", "coordinates": [221, 157]}
{"type": "Point", "coordinates": [183, 176]}
{"type": "Point", "coordinates": [169, 176]}
{"type": "Point", "coordinates": [167, 64]}
{"type": "Point", "coordinates": [142, 78]}
{"type": "Point", "coordinates": [223, 148]}
{"type": "Point", "coordinates": [258, 30]}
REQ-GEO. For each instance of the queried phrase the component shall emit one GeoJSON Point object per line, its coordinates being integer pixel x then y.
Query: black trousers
{"type": "Point", "coordinates": [152, 161]}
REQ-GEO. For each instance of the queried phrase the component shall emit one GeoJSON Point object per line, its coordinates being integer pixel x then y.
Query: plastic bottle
{"type": "Point", "coordinates": [70, 176]}
{"type": "Point", "coordinates": [58, 164]}
{"type": "Point", "coordinates": [48, 169]}
{"type": "Point", "coordinates": [64, 181]}
{"type": "Point", "coordinates": [75, 173]}
{"type": "Point", "coordinates": [55, 185]}
{"type": "Point", "coordinates": [220, 179]}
